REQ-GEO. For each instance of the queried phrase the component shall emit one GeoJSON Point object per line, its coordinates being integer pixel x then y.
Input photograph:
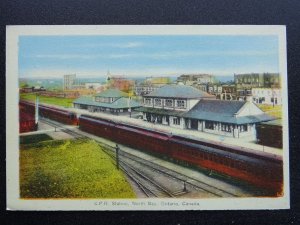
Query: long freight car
{"type": "Point", "coordinates": [262, 170]}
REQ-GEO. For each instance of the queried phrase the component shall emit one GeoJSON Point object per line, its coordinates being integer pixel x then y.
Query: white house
{"type": "Point", "coordinates": [268, 96]}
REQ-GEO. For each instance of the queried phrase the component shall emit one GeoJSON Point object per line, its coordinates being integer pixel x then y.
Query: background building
{"type": "Point", "coordinates": [150, 84]}
{"type": "Point", "coordinates": [268, 96]}
{"type": "Point", "coordinates": [69, 82]}
{"type": "Point", "coordinates": [111, 101]}
{"type": "Point", "coordinates": [245, 82]}
{"type": "Point", "coordinates": [189, 79]}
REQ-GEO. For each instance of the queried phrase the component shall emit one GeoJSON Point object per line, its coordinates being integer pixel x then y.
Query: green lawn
{"type": "Point", "coordinates": [70, 169]}
{"type": "Point", "coordinates": [275, 111]}
{"type": "Point", "coordinates": [65, 102]}
{"type": "Point", "coordinates": [30, 139]}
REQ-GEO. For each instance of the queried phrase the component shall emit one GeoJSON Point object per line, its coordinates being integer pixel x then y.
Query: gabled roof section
{"type": "Point", "coordinates": [179, 91]}
{"type": "Point", "coordinates": [112, 93]}
{"type": "Point", "coordinates": [118, 104]}
{"type": "Point", "coordinates": [224, 111]}
{"type": "Point", "coordinates": [218, 106]}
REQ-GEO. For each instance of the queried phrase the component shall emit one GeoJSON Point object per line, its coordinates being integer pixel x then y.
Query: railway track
{"type": "Point", "coordinates": [62, 128]}
{"type": "Point", "coordinates": [145, 173]}
{"type": "Point", "coordinates": [179, 177]}
{"type": "Point", "coordinates": [174, 177]}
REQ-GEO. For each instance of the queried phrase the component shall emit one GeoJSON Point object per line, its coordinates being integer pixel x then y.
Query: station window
{"type": "Point", "coordinates": [243, 128]}
{"type": "Point", "coordinates": [226, 127]}
{"type": "Point", "coordinates": [157, 102]}
{"type": "Point", "coordinates": [176, 121]}
{"type": "Point", "coordinates": [180, 103]}
{"type": "Point", "coordinates": [209, 125]}
{"type": "Point", "coordinates": [148, 101]}
{"type": "Point", "coordinates": [169, 102]}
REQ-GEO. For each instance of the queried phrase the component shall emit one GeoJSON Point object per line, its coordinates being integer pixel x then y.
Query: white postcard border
{"type": "Point", "coordinates": [12, 131]}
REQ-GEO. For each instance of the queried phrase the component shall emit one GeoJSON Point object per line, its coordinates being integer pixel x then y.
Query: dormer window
{"type": "Point", "coordinates": [169, 102]}
{"type": "Point", "coordinates": [148, 101]}
{"type": "Point", "coordinates": [157, 102]}
{"type": "Point", "coordinates": [180, 104]}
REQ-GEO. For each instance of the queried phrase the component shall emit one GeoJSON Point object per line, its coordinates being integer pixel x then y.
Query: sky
{"type": "Point", "coordinates": [144, 55]}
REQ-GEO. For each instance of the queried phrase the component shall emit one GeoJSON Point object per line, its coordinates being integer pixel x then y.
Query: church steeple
{"type": "Point", "coordinates": [108, 76]}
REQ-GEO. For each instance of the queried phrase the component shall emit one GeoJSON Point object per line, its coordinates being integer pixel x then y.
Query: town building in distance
{"type": "Point", "coordinates": [268, 96]}
{"type": "Point", "coordinates": [191, 79]}
{"type": "Point", "coordinates": [150, 84]}
{"type": "Point", "coordinates": [245, 82]}
{"type": "Point", "coordinates": [70, 82]}
{"type": "Point", "coordinates": [186, 107]}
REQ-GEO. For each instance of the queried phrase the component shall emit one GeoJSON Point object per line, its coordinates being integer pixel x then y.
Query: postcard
{"type": "Point", "coordinates": [146, 117]}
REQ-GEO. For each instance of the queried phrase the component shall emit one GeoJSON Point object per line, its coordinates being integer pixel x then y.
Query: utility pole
{"type": "Point", "coordinates": [184, 186]}
{"type": "Point", "coordinates": [36, 109]}
{"type": "Point", "coordinates": [117, 155]}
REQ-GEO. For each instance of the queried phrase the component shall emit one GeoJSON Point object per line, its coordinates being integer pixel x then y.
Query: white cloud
{"type": "Point", "coordinates": [158, 55]}
{"type": "Point", "coordinates": [111, 45]}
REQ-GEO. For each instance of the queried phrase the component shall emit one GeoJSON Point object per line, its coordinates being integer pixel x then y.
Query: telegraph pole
{"type": "Point", "coordinates": [117, 155]}
{"type": "Point", "coordinates": [36, 109]}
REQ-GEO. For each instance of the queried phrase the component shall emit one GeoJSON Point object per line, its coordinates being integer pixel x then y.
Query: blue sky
{"type": "Point", "coordinates": [93, 56]}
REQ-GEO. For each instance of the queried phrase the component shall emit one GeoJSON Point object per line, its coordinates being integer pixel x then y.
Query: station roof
{"type": "Point", "coordinates": [277, 122]}
{"type": "Point", "coordinates": [112, 93]}
{"type": "Point", "coordinates": [213, 110]}
{"type": "Point", "coordinates": [179, 91]}
{"type": "Point", "coordinates": [118, 104]}
{"type": "Point", "coordinates": [223, 111]}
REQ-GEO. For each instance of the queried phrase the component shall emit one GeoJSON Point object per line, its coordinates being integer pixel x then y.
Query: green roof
{"type": "Point", "coordinates": [118, 104]}
{"type": "Point", "coordinates": [112, 93]}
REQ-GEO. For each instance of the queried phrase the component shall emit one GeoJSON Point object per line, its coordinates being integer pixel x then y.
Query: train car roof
{"type": "Point", "coordinates": [147, 133]}
{"type": "Point", "coordinates": [96, 120]}
{"type": "Point", "coordinates": [232, 148]}
{"type": "Point", "coordinates": [223, 153]}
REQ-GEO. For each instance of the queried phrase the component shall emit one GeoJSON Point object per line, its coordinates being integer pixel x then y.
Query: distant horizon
{"type": "Point", "coordinates": [135, 76]}
{"type": "Point", "coordinates": [147, 55]}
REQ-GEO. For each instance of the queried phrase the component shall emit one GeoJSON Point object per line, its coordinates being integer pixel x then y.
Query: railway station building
{"type": "Point", "coordinates": [111, 101]}
{"type": "Point", "coordinates": [186, 107]}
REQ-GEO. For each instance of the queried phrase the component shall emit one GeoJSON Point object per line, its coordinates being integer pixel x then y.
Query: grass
{"type": "Point", "coordinates": [65, 102]}
{"type": "Point", "coordinates": [30, 139]}
{"type": "Point", "coordinates": [275, 111]}
{"type": "Point", "coordinates": [70, 169]}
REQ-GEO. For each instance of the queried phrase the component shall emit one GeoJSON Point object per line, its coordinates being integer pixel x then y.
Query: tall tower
{"type": "Point", "coordinates": [69, 81]}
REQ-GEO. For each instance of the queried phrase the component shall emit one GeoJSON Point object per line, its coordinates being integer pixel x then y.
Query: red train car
{"type": "Point", "coordinates": [98, 127]}
{"type": "Point", "coordinates": [262, 170]}
{"type": "Point", "coordinates": [270, 133]}
{"type": "Point", "coordinates": [27, 107]}
{"type": "Point", "coordinates": [62, 116]}
{"type": "Point", "coordinates": [265, 172]}
{"type": "Point", "coordinates": [26, 118]}
{"type": "Point", "coordinates": [137, 137]}
{"type": "Point", "coordinates": [53, 113]}
{"type": "Point", "coordinates": [26, 122]}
